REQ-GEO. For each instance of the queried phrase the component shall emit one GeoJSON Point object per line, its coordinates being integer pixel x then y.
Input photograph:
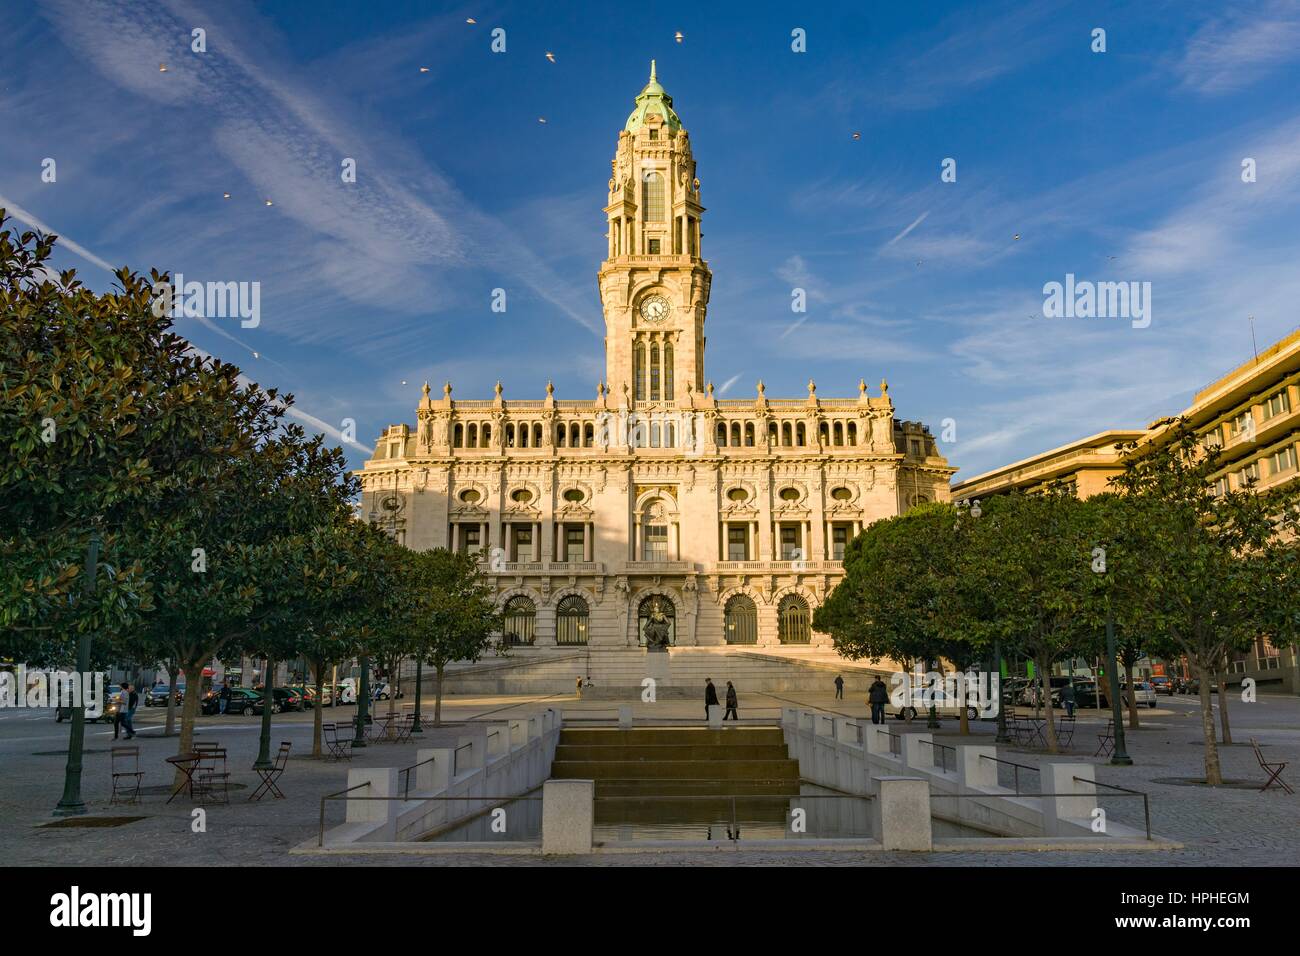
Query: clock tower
{"type": "Point", "coordinates": [654, 283]}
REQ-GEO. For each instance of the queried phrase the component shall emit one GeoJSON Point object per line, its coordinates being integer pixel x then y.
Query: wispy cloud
{"type": "Point", "coordinates": [1239, 49]}
{"type": "Point", "coordinates": [912, 225]}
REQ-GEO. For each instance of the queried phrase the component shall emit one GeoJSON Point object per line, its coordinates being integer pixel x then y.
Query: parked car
{"type": "Point", "coordinates": [241, 701]}
{"type": "Point", "coordinates": [157, 696]}
{"type": "Point", "coordinates": [283, 699]}
{"type": "Point", "coordinates": [345, 694]}
{"type": "Point", "coordinates": [306, 694]}
{"type": "Point", "coordinates": [943, 705]}
{"type": "Point", "coordinates": [1142, 691]}
{"type": "Point", "coordinates": [112, 704]}
{"type": "Point", "coordinates": [1193, 687]}
{"type": "Point", "coordinates": [1086, 694]}
{"type": "Point", "coordinates": [1162, 685]}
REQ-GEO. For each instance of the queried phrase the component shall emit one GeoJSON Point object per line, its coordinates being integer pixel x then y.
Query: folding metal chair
{"type": "Point", "coordinates": [125, 767]}
{"type": "Point", "coordinates": [1274, 770]}
{"type": "Point", "coordinates": [211, 779]}
{"type": "Point", "coordinates": [339, 748]}
{"type": "Point", "coordinates": [1106, 741]}
{"type": "Point", "coordinates": [269, 777]}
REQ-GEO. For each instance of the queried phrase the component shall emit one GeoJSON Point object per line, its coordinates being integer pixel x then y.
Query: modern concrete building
{"type": "Point", "coordinates": [1252, 414]}
{"type": "Point", "coordinates": [656, 499]}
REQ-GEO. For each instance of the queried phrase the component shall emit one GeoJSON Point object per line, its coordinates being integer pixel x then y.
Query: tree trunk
{"type": "Point", "coordinates": [1045, 679]}
{"type": "Point", "coordinates": [317, 673]}
{"type": "Point", "coordinates": [392, 688]}
{"type": "Point", "coordinates": [437, 699]}
{"type": "Point", "coordinates": [172, 671]}
{"type": "Point", "coordinates": [189, 711]}
{"type": "Point", "coordinates": [1132, 697]}
{"type": "Point", "coordinates": [1213, 774]}
{"type": "Point", "coordinates": [268, 702]}
{"type": "Point", "coordinates": [1223, 708]}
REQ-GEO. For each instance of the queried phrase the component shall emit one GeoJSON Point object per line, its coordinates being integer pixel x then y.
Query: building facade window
{"type": "Point", "coordinates": [654, 545]}
{"type": "Point", "coordinates": [839, 541]}
{"type": "Point", "coordinates": [653, 192]}
{"type": "Point", "coordinates": [737, 542]}
{"type": "Point", "coordinates": [571, 620]}
{"type": "Point", "coordinates": [521, 542]}
{"type": "Point", "coordinates": [741, 621]}
{"type": "Point", "coordinates": [574, 542]}
{"type": "Point", "coordinates": [519, 625]}
{"type": "Point", "coordinates": [1277, 404]}
{"type": "Point", "coordinates": [638, 372]}
{"type": "Point", "coordinates": [1283, 461]}
{"type": "Point", "coordinates": [471, 539]}
{"type": "Point", "coordinates": [793, 625]}
{"type": "Point", "coordinates": [790, 543]}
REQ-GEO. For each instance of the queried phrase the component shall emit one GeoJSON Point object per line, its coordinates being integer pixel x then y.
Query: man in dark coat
{"type": "Point", "coordinates": [710, 696]}
{"type": "Point", "coordinates": [877, 697]}
{"type": "Point", "coordinates": [839, 687]}
{"type": "Point", "coordinates": [731, 703]}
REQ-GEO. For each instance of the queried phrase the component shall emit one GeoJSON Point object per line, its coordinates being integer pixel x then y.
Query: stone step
{"type": "Point", "coordinates": [676, 769]}
{"type": "Point", "coordinates": [705, 812]}
{"type": "Point", "coordinates": [652, 752]}
{"type": "Point", "coordinates": [654, 786]}
{"type": "Point", "coordinates": [681, 736]}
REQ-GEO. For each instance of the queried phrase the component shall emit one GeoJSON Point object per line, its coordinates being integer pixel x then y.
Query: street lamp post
{"type": "Point", "coordinates": [419, 677]}
{"type": "Point", "coordinates": [1120, 757]}
{"type": "Point", "coordinates": [1003, 737]}
{"type": "Point", "coordinates": [71, 803]}
{"type": "Point", "coordinates": [363, 701]}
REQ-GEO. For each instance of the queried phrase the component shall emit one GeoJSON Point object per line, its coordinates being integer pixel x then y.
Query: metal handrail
{"type": "Point", "coordinates": [455, 758]}
{"type": "Point", "coordinates": [406, 787]}
{"type": "Point", "coordinates": [1015, 773]}
{"type": "Point", "coordinates": [1055, 796]}
{"type": "Point", "coordinates": [1146, 803]}
{"type": "Point", "coordinates": [320, 841]}
{"type": "Point", "coordinates": [943, 764]}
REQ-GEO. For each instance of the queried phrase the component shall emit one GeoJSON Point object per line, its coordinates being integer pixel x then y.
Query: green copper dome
{"type": "Point", "coordinates": [653, 99]}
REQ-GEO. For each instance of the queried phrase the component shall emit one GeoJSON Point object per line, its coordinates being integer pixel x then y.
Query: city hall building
{"type": "Point", "coordinates": [655, 497]}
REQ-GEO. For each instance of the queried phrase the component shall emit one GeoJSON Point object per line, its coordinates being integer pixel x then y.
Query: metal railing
{"type": "Point", "coordinates": [1050, 796]}
{"type": "Point", "coordinates": [1125, 791]}
{"type": "Point", "coordinates": [1015, 772]}
{"type": "Point", "coordinates": [491, 803]}
{"type": "Point", "coordinates": [895, 742]}
{"type": "Point", "coordinates": [943, 750]}
{"type": "Point", "coordinates": [320, 839]}
{"type": "Point", "coordinates": [406, 772]}
{"type": "Point", "coordinates": [455, 758]}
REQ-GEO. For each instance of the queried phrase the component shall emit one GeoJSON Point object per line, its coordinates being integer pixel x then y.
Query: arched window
{"type": "Point", "coordinates": [574, 433]}
{"type": "Point", "coordinates": [561, 434]}
{"type": "Point", "coordinates": [853, 433]}
{"type": "Point", "coordinates": [537, 435]}
{"type": "Point", "coordinates": [524, 432]}
{"type": "Point", "coordinates": [588, 435]}
{"type": "Point", "coordinates": [839, 433]}
{"type": "Point", "coordinates": [792, 621]}
{"type": "Point", "coordinates": [652, 192]}
{"type": "Point", "coordinates": [654, 372]}
{"type": "Point", "coordinates": [485, 436]}
{"type": "Point", "coordinates": [823, 433]}
{"type": "Point", "coordinates": [458, 441]}
{"type": "Point", "coordinates": [654, 434]}
{"type": "Point", "coordinates": [722, 435]}
{"type": "Point", "coordinates": [652, 607]}
{"type": "Point", "coordinates": [670, 435]}
{"type": "Point", "coordinates": [800, 434]}
{"type": "Point", "coordinates": [520, 621]}
{"type": "Point", "coordinates": [785, 434]}
{"type": "Point", "coordinates": [749, 434]}
{"type": "Point", "coordinates": [472, 433]}
{"type": "Point", "coordinates": [735, 433]}
{"type": "Point", "coordinates": [510, 436]}
{"type": "Point", "coordinates": [741, 621]}
{"type": "Point", "coordinates": [668, 371]}
{"type": "Point", "coordinates": [772, 433]}
{"type": "Point", "coordinates": [638, 372]}
{"type": "Point", "coordinates": [571, 617]}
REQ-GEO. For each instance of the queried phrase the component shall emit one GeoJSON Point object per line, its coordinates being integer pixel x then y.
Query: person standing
{"type": "Point", "coordinates": [877, 696]}
{"type": "Point", "coordinates": [122, 698]}
{"type": "Point", "coordinates": [131, 700]}
{"type": "Point", "coordinates": [731, 703]}
{"type": "Point", "coordinates": [710, 696]}
{"type": "Point", "coordinates": [223, 700]}
{"type": "Point", "coordinates": [839, 686]}
{"type": "Point", "coordinates": [1067, 698]}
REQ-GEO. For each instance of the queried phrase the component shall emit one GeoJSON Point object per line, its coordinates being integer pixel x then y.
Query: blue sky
{"type": "Point", "coordinates": [1123, 165]}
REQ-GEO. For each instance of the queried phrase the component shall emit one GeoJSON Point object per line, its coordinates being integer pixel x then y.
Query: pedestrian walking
{"type": "Point", "coordinates": [578, 686]}
{"type": "Point", "coordinates": [731, 703]}
{"type": "Point", "coordinates": [1067, 698]}
{"type": "Point", "coordinates": [839, 687]}
{"type": "Point", "coordinates": [223, 699]}
{"type": "Point", "coordinates": [877, 696]}
{"type": "Point", "coordinates": [126, 711]}
{"type": "Point", "coordinates": [123, 697]}
{"type": "Point", "coordinates": [710, 696]}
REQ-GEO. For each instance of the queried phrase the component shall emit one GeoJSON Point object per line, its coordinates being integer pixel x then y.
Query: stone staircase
{"type": "Point", "coordinates": [643, 775]}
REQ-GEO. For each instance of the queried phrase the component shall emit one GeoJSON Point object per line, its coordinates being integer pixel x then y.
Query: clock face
{"type": "Point", "coordinates": [654, 308]}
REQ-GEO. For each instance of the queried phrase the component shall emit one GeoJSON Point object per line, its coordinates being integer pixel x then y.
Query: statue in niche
{"type": "Point", "coordinates": [658, 631]}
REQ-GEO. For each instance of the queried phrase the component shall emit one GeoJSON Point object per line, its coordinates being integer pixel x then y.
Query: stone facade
{"type": "Point", "coordinates": [730, 515]}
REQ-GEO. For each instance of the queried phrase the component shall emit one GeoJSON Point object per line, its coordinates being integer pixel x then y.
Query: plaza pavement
{"type": "Point", "coordinates": [1225, 826]}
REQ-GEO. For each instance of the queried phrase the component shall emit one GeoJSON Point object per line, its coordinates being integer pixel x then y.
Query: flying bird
{"type": "Point", "coordinates": [550, 56]}
{"type": "Point", "coordinates": [541, 119]}
{"type": "Point", "coordinates": [162, 67]}
{"type": "Point", "coordinates": [857, 136]}
{"type": "Point", "coordinates": [225, 195]}
{"type": "Point", "coordinates": [678, 36]}
{"type": "Point", "coordinates": [269, 203]}
{"type": "Point", "coordinates": [424, 69]}
{"type": "Point", "coordinates": [470, 20]}
{"type": "Point", "coordinates": [1016, 237]}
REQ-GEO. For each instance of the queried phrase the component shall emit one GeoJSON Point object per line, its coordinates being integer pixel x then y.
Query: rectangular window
{"type": "Point", "coordinates": [654, 134]}
{"type": "Point", "coordinates": [1277, 405]}
{"type": "Point", "coordinates": [1249, 473]}
{"type": "Point", "coordinates": [1241, 423]}
{"type": "Point", "coordinates": [1284, 460]}
{"type": "Point", "coordinates": [654, 545]}
{"type": "Point", "coordinates": [1220, 487]}
{"type": "Point", "coordinates": [574, 542]}
{"type": "Point", "coordinates": [839, 541]}
{"type": "Point", "coordinates": [790, 550]}
{"type": "Point", "coordinates": [523, 542]}
{"type": "Point", "coordinates": [737, 542]}
{"type": "Point", "coordinates": [470, 538]}
{"type": "Point", "coordinates": [654, 247]}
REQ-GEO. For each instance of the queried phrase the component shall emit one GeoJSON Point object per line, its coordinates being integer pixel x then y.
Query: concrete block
{"type": "Point", "coordinates": [973, 771]}
{"type": "Point", "coordinates": [877, 739]}
{"type": "Point", "coordinates": [904, 814]}
{"type": "Point", "coordinates": [823, 725]}
{"type": "Point", "coordinates": [625, 716]}
{"type": "Point", "coordinates": [383, 783]}
{"type": "Point", "coordinates": [429, 778]}
{"type": "Point", "coordinates": [715, 715]}
{"type": "Point", "coordinates": [568, 816]}
{"type": "Point", "coordinates": [918, 752]}
{"type": "Point", "coordinates": [847, 731]}
{"type": "Point", "coordinates": [1072, 802]}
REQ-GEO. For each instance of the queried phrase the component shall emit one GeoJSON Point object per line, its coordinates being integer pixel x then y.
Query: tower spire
{"type": "Point", "coordinates": [652, 71]}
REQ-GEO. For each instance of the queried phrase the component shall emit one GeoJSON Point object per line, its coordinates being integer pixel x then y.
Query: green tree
{"type": "Point", "coordinates": [1205, 563]}
{"type": "Point", "coordinates": [452, 613]}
